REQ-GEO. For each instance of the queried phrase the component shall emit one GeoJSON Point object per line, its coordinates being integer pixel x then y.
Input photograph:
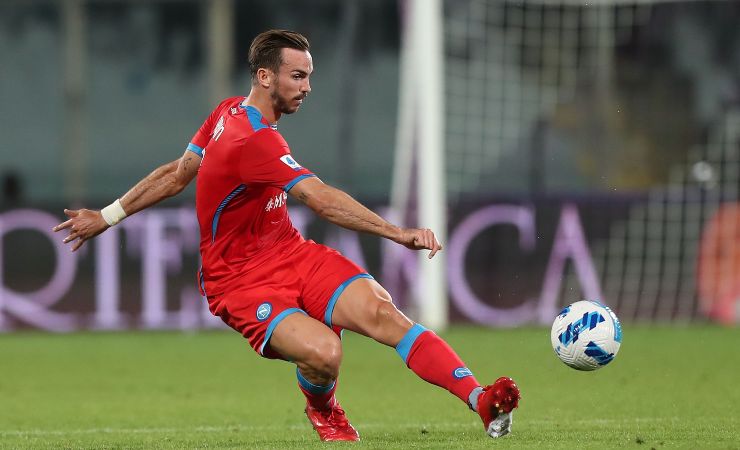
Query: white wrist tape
{"type": "Point", "coordinates": [113, 213]}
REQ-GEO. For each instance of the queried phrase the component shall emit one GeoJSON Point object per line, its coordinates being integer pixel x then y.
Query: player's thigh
{"type": "Point", "coordinates": [302, 339]}
{"type": "Point", "coordinates": [326, 273]}
{"type": "Point", "coordinates": [365, 307]}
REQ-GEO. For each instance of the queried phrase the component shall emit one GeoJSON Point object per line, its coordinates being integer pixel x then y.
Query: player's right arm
{"type": "Point", "coordinates": [269, 162]}
{"type": "Point", "coordinates": [166, 181]}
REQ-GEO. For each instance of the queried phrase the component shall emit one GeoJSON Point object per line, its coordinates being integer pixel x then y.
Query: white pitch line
{"type": "Point", "coordinates": [109, 430]}
{"type": "Point", "coordinates": [221, 429]}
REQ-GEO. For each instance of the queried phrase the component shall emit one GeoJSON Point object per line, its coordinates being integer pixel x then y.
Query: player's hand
{"type": "Point", "coordinates": [420, 239]}
{"type": "Point", "coordinates": [83, 224]}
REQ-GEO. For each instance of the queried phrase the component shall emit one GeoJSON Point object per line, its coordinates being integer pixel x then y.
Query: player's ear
{"type": "Point", "coordinates": [264, 77]}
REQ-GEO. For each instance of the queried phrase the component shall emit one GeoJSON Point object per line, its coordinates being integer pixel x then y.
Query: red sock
{"type": "Point", "coordinates": [435, 362]}
{"type": "Point", "coordinates": [318, 397]}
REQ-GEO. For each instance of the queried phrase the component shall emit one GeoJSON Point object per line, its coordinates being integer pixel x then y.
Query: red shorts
{"type": "Point", "coordinates": [307, 279]}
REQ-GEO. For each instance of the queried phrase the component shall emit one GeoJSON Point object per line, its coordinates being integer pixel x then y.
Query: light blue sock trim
{"type": "Point", "coordinates": [333, 300]}
{"type": "Point", "coordinates": [274, 322]}
{"type": "Point", "coordinates": [313, 388]}
{"type": "Point", "coordinates": [404, 347]}
{"type": "Point", "coordinates": [473, 398]}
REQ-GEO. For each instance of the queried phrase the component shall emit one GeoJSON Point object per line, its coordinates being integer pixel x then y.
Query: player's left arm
{"type": "Point", "coordinates": [340, 208]}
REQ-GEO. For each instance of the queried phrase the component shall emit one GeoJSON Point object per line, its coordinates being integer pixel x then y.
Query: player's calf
{"type": "Point", "coordinates": [317, 373]}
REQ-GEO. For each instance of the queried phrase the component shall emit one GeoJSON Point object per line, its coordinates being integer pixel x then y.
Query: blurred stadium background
{"type": "Point", "coordinates": [584, 149]}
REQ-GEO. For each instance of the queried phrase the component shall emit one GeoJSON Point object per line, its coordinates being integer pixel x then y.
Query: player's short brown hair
{"type": "Point", "coordinates": [266, 48]}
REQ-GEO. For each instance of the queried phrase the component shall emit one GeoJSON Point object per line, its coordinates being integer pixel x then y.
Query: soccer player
{"type": "Point", "coordinates": [291, 297]}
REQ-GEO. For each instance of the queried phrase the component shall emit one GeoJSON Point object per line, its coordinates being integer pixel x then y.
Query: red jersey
{"type": "Point", "coordinates": [241, 193]}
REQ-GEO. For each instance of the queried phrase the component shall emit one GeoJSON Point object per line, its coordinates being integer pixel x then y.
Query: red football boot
{"type": "Point", "coordinates": [332, 423]}
{"type": "Point", "coordinates": [495, 406]}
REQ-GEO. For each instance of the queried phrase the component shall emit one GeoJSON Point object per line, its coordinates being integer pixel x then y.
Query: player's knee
{"type": "Point", "coordinates": [389, 318]}
{"type": "Point", "coordinates": [385, 312]}
{"type": "Point", "coordinates": [382, 294]}
{"type": "Point", "coordinates": [326, 357]}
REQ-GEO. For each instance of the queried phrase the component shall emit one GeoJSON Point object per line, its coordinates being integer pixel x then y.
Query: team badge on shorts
{"type": "Point", "coordinates": [263, 311]}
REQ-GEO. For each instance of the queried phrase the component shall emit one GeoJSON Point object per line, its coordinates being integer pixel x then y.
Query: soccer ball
{"type": "Point", "coordinates": [586, 335]}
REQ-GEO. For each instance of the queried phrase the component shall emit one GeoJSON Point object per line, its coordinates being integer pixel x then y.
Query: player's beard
{"type": "Point", "coordinates": [283, 104]}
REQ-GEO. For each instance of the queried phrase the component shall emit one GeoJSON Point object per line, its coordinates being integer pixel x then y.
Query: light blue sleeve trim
{"type": "Point", "coordinates": [404, 347]}
{"type": "Point", "coordinates": [295, 180]}
{"type": "Point", "coordinates": [337, 293]}
{"type": "Point", "coordinates": [195, 149]}
{"type": "Point", "coordinates": [313, 388]}
{"type": "Point", "coordinates": [274, 322]}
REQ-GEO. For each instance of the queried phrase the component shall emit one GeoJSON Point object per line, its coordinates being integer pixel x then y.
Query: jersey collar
{"type": "Point", "coordinates": [243, 105]}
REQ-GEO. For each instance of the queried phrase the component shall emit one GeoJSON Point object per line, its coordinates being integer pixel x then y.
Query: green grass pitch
{"type": "Point", "coordinates": [669, 387]}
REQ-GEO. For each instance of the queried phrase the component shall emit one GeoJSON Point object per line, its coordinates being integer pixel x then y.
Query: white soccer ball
{"type": "Point", "coordinates": [586, 335]}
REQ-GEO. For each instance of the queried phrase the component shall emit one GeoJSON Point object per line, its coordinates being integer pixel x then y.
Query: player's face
{"type": "Point", "coordinates": [291, 83]}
